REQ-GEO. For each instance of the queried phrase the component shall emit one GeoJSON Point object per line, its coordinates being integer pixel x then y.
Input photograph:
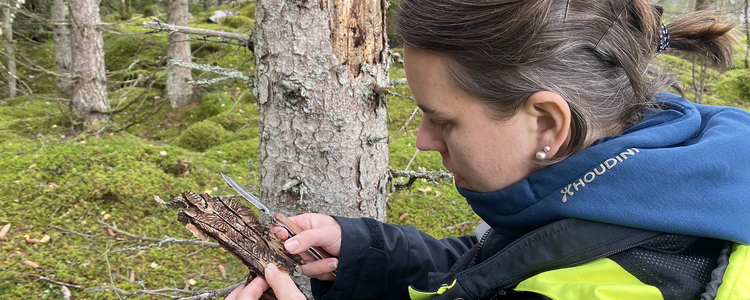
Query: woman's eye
{"type": "Point", "coordinates": [440, 125]}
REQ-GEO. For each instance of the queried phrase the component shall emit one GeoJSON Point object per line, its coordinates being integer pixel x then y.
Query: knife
{"type": "Point", "coordinates": [277, 218]}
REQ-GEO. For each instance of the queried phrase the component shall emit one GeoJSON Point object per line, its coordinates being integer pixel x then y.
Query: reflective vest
{"type": "Point", "coordinates": [577, 259]}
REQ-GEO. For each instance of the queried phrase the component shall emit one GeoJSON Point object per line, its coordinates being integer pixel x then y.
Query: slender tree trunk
{"type": "Point", "coordinates": [61, 36]}
{"type": "Point", "coordinates": [747, 34]}
{"type": "Point", "coordinates": [178, 89]}
{"type": "Point", "coordinates": [323, 130]}
{"type": "Point", "coordinates": [703, 4]}
{"type": "Point", "coordinates": [209, 3]}
{"type": "Point", "coordinates": [89, 95]}
{"type": "Point", "coordinates": [9, 50]}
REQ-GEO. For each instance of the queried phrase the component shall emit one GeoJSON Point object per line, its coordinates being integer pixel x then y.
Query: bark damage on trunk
{"type": "Point", "coordinates": [323, 129]}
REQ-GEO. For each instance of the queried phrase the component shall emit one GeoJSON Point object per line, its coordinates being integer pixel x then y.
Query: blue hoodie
{"type": "Point", "coordinates": [683, 170]}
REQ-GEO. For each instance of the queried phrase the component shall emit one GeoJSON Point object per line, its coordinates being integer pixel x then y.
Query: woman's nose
{"type": "Point", "coordinates": [429, 138]}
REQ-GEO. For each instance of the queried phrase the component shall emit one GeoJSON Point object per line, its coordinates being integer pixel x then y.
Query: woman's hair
{"type": "Point", "coordinates": [596, 54]}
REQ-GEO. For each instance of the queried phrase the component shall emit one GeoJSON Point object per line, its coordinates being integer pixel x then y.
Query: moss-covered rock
{"type": "Point", "coordinates": [734, 86]}
{"type": "Point", "coordinates": [202, 135]}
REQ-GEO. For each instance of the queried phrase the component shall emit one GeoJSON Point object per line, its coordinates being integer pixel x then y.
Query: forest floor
{"type": "Point", "coordinates": [81, 206]}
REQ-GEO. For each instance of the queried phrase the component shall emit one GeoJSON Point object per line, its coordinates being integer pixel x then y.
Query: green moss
{"type": "Point", "coordinates": [202, 135]}
{"type": "Point", "coordinates": [242, 23]}
{"type": "Point", "coordinates": [734, 86]}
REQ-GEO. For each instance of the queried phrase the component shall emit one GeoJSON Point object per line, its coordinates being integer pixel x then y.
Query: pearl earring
{"type": "Point", "coordinates": [542, 155]}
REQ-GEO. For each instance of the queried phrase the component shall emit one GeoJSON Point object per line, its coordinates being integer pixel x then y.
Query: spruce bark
{"type": "Point", "coordinates": [178, 89]}
{"type": "Point", "coordinates": [89, 100]}
{"type": "Point", "coordinates": [9, 50]}
{"type": "Point", "coordinates": [61, 37]}
{"type": "Point", "coordinates": [323, 130]}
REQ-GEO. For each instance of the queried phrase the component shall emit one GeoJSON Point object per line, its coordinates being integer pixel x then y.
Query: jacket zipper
{"type": "Point", "coordinates": [480, 245]}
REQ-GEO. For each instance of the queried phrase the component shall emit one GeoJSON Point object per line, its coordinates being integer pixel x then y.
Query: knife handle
{"type": "Point", "coordinates": [297, 230]}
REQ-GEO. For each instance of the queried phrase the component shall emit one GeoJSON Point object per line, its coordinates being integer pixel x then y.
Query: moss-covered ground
{"type": "Point", "coordinates": [58, 182]}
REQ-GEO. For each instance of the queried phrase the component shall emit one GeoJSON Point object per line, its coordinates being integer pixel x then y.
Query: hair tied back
{"type": "Point", "coordinates": [663, 38]}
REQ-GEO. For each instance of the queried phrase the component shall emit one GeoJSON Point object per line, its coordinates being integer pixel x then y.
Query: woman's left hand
{"type": "Point", "coordinates": [283, 286]}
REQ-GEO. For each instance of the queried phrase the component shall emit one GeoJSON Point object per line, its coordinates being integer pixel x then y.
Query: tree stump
{"type": "Point", "coordinates": [237, 230]}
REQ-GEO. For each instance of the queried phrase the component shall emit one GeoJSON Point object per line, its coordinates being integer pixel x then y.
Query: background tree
{"type": "Point", "coordinates": [323, 129]}
{"type": "Point", "coordinates": [178, 89]}
{"type": "Point", "coordinates": [89, 96]}
{"type": "Point", "coordinates": [10, 55]}
{"type": "Point", "coordinates": [703, 4]}
{"type": "Point", "coordinates": [61, 35]}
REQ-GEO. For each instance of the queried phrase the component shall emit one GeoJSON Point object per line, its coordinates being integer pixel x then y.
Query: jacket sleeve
{"type": "Point", "coordinates": [380, 261]}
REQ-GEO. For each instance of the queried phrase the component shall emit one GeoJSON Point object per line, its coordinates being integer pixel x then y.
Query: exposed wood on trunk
{"type": "Point", "coordinates": [61, 36]}
{"type": "Point", "coordinates": [89, 90]}
{"type": "Point", "coordinates": [357, 31]}
{"type": "Point", "coordinates": [178, 89]}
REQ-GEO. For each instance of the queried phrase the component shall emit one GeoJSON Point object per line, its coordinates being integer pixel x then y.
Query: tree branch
{"type": "Point", "coordinates": [159, 242]}
{"type": "Point", "coordinates": [160, 26]}
{"type": "Point", "coordinates": [231, 73]}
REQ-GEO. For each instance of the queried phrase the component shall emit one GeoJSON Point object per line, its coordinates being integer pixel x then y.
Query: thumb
{"type": "Point", "coordinates": [283, 286]}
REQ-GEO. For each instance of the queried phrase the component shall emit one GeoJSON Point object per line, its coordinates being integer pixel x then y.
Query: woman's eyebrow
{"type": "Point", "coordinates": [428, 110]}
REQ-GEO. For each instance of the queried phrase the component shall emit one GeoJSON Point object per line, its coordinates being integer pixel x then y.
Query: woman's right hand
{"type": "Point", "coordinates": [321, 231]}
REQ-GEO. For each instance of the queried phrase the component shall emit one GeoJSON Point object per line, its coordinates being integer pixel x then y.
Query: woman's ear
{"type": "Point", "coordinates": [551, 119]}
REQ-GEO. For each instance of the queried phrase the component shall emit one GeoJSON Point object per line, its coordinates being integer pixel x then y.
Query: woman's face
{"type": "Point", "coordinates": [484, 154]}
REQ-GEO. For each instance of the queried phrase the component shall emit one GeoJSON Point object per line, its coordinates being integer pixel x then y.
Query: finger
{"type": "Point", "coordinates": [283, 286]}
{"type": "Point", "coordinates": [319, 269]}
{"type": "Point", "coordinates": [235, 292]}
{"type": "Point", "coordinates": [280, 232]}
{"type": "Point", "coordinates": [253, 290]}
{"type": "Point", "coordinates": [314, 237]}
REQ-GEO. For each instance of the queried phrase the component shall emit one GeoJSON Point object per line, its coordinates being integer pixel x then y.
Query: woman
{"type": "Point", "coordinates": [594, 184]}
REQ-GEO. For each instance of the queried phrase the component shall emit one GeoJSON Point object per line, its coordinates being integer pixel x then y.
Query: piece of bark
{"type": "Point", "coordinates": [237, 230]}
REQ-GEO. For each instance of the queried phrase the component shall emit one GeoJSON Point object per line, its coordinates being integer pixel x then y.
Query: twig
{"type": "Point", "coordinates": [87, 236]}
{"type": "Point", "coordinates": [50, 280]}
{"type": "Point", "coordinates": [411, 117]}
{"type": "Point", "coordinates": [197, 295]}
{"type": "Point", "coordinates": [411, 160]}
{"type": "Point", "coordinates": [109, 268]}
{"type": "Point", "coordinates": [459, 225]}
{"type": "Point", "coordinates": [429, 175]}
{"type": "Point", "coordinates": [159, 26]}
{"type": "Point", "coordinates": [235, 103]}
{"type": "Point", "coordinates": [160, 242]}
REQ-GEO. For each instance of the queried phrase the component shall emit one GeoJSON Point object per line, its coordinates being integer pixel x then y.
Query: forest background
{"type": "Point", "coordinates": [78, 204]}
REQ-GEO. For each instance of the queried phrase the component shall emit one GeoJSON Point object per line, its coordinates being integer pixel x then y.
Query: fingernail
{"type": "Point", "coordinates": [291, 245]}
{"type": "Point", "coordinates": [333, 265]}
{"type": "Point", "coordinates": [271, 267]}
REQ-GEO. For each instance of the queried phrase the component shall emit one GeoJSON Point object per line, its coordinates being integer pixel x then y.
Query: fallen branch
{"type": "Point", "coordinates": [411, 117]}
{"type": "Point", "coordinates": [160, 26]}
{"type": "Point", "coordinates": [50, 280]}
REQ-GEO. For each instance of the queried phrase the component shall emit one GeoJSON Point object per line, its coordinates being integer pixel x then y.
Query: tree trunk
{"type": "Point", "coordinates": [9, 50]}
{"type": "Point", "coordinates": [178, 89]}
{"type": "Point", "coordinates": [747, 34]}
{"type": "Point", "coordinates": [703, 4]}
{"type": "Point", "coordinates": [209, 3]}
{"type": "Point", "coordinates": [61, 36]}
{"type": "Point", "coordinates": [89, 96]}
{"type": "Point", "coordinates": [323, 130]}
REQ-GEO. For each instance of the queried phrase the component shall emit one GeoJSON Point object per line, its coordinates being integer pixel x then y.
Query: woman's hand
{"type": "Point", "coordinates": [283, 287]}
{"type": "Point", "coordinates": [321, 231]}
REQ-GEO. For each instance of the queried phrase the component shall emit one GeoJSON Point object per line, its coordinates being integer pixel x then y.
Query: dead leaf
{"type": "Point", "coordinates": [4, 231]}
{"type": "Point", "coordinates": [425, 190]}
{"type": "Point", "coordinates": [65, 293]}
{"type": "Point", "coordinates": [107, 216]}
{"type": "Point", "coordinates": [32, 241]}
{"type": "Point", "coordinates": [222, 270]}
{"type": "Point", "coordinates": [30, 264]}
{"type": "Point", "coordinates": [131, 278]}
{"type": "Point", "coordinates": [154, 265]}
{"type": "Point", "coordinates": [44, 239]}
{"type": "Point", "coordinates": [110, 232]}
{"type": "Point", "coordinates": [32, 166]}
{"type": "Point", "coordinates": [192, 281]}
{"type": "Point", "coordinates": [403, 216]}
{"type": "Point", "coordinates": [463, 228]}
{"type": "Point", "coordinates": [10, 144]}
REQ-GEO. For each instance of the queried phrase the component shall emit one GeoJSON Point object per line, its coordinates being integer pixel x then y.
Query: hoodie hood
{"type": "Point", "coordinates": [684, 169]}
